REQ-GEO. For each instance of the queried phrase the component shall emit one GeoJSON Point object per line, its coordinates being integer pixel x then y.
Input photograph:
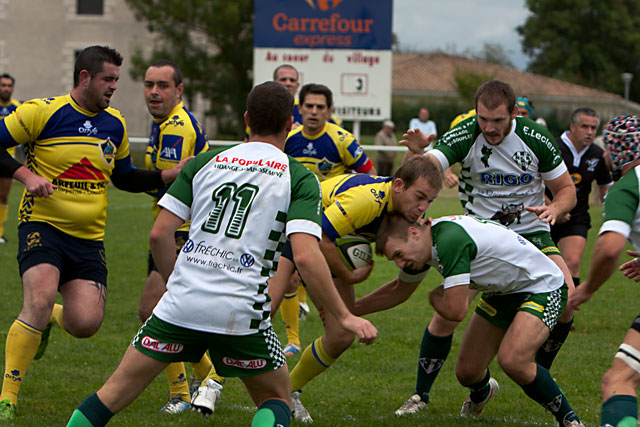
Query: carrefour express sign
{"type": "Point", "coordinates": [323, 24]}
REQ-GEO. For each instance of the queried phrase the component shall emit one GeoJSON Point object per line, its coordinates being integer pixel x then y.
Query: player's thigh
{"type": "Point", "coordinates": [39, 291]}
{"type": "Point", "coordinates": [134, 373]}
{"type": "Point", "coordinates": [572, 248]}
{"type": "Point", "coordinates": [479, 346]}
{"type": "Point", "coordinates": [5, 188]}
{"type": "Point", "coordinates": [624, 375]}
{"type": "Point", "coordinates": [154, 288]}
{"type": "Point", "coordinates": [269, 385]}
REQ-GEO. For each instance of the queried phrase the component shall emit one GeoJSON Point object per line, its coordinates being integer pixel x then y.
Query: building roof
{"type": "Point", "coordinates": [432, 74]}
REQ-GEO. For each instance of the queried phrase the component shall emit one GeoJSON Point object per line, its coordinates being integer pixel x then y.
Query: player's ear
{"type": "Point", "coordinates": [246, 118]}
{"type": "Point", "coordinates": [398, 185]}
{"type": "Point", "coordinates": [180, 90]}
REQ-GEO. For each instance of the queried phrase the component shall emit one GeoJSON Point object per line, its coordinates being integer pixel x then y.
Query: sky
{"type": "Point", "coordinates": [455, 25]}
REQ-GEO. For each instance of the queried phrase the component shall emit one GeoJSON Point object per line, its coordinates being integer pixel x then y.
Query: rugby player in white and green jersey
{"type": "Point", "coordinates": [506, 161]}
{"type": "Point", "coordinates": [243, 202]}
{"type": "Point", "coordinates": [621, 224]}
{"type": "Point", "coordinates": [524, 294]}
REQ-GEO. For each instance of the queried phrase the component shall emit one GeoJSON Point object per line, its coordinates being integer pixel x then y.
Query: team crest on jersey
{"type": "Point", "coordinates": [576, 178]}
{"type": "Point", "coordinates": [486, 153]}
{"type": "Point", "coordinates": [171, 148]}
{"type": "Point", "coordinates": [591, 164]}
{"type": "Point", "coordinates": [324, 167]}
{"type": "Point", "coordinates": [107, 151]}
{"type": "Point", "coordinates": [5, 111]}
{"type": "Point", "coordinates": [522, 159]}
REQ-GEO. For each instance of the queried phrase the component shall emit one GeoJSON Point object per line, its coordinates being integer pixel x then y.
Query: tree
{"type": "Point", "coordinates": [493, 53]}
{"type": "Point", "coordinates": [211, 41]}
{"type": "Point", "coordinates": [588, 42]}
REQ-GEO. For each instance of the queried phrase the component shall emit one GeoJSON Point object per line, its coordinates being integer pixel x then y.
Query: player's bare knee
{"type": "Point", "coordinates": [467, 374]}
{"type": "Point", "coordinates": [513, 365]}
{"type": "Point", "coordinates": [82, 326]}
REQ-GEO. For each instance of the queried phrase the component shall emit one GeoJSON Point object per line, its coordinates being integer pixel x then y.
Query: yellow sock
{"type": "Point", "coordinates": [313, 362]}
{"type": "Point", "coordinates": [178, 384]}
{"type": "Point", "coordinates": [302, 294]}
{"type": "Point", "coordinates": [214, 376]}
{"type": "Point", "coordinates": [289, 311]}
{"type": "Point", "coordinates": [56, 316]}
{"type": "Point", "coordinates": [4, 209]}
{"type": "Point", "coordinates": [21, 346]}
{"type": "Point", "coordinates": [202, 368]}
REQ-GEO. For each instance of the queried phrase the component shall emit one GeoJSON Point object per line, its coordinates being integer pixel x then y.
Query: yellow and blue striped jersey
{"type": "Point", "coordinates": [332, 152]}
{"type": "Point", "coordinates": [5, 110]}
{"type": "Point", "coordinates": [355, 203]}
{"type": "Point", "coordinates": [173, 138]}
{"type": "Point", "coordinates": [77, 151]}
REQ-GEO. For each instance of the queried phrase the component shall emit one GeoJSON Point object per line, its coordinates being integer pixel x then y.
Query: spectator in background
{"type": "Point", "coordinates": [7, 106]}
{"type": "Point", "coordinates": [385, 138]}
{"type": "Point", "coordinates": [423, 123]}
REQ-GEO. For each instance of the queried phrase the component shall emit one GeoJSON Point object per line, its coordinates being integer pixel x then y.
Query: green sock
{"type": "Point", "coordinates": [91, 413]}
{"type": "Point", "coordinates": [549, 350]}
{"type": "Point", "coordinates": [620, 411]}
{"type": "Point", "coordinates": [544, 390]}
{"type": "Point", "coordinates": [481, 389]}
{"type": "Point", "coordinates": [272, 413]}
{"type": "Point", "coordinates": [433, 353]}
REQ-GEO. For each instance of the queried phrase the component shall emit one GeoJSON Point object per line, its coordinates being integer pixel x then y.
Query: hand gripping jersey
{"type": "Point", "coordinates": [5, 110]}
{"type": "Point", "coordinates": [622, 208]}
{"type": "Point", "coordinates": [76, 150]}
{"type": "Point", "coordinates": [240, 200]}
{"type": "Point", "coordinates": [489, 257]}
{"type": "Point", "coordinates": [355, 204]}
{"type": "Point", "coordinates": [172, 139]}
{"type": "Point", "coordinates": [508, 176]}
{"type": "Point", "coordinates": [332, 152]}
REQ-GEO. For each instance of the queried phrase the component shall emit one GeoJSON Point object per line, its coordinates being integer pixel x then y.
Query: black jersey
{"type": "Point", "coordinates": [584, 168]}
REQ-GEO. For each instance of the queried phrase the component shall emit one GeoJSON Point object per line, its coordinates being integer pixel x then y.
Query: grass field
{"type": "Point", "coordinates": [363, 388]}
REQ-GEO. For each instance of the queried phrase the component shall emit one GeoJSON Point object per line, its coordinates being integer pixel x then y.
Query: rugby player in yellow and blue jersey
{"type": "Point", "coordinates": [175, 135]}
{"type": "Point", "coordinates": [326, 150]}
{"type": "Point", "coordinates": [73, 144]}
{"type": "Point", "coordinates": [356, 204]}
{"type": "Point", "coordinates": [287, 76]}
{"type": "Point", "coordinates": [7, 106]}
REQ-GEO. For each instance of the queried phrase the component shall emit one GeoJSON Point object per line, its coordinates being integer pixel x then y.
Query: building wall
{"type": "Point", "coordinates": [39, 40]}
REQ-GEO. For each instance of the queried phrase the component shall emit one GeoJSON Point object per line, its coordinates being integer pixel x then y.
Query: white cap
{"type": "Point", "coordinates": [389, 124]}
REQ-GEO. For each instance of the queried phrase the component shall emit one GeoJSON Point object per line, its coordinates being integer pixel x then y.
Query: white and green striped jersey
{"type": "Point", "coordinates": [240, 200]}
{"type": "Point", "coordinates": [508, 176]}
{"type": "Point", "coordinates": [487, 256]}
{"type": "Point", "coordinates": [622, 207]}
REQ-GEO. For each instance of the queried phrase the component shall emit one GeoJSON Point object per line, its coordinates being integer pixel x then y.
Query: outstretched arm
{"type": "Point", "coordinates": [564, 199]}
{"type": "Point", "coordinates": [315, 272]}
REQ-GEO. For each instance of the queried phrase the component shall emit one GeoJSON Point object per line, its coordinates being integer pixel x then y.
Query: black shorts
{"type": "Point", "coordinates": [576, 226]}
{"type": "Point", "coordinates": [636, 324]}
{"type": "Point", "coordinates": [75, 258]}
{"type": "Point", "coordinates": [181, 238]}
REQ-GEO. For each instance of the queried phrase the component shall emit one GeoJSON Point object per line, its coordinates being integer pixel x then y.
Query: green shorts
{"type": "Point", "coordinates": [500, 310]}
{"type": "Point", "coordinates": [232, 355]}
{"type": "Point", "coordinates": [543, 241]}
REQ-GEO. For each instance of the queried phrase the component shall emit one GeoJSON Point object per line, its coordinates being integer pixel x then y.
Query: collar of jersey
{"type": "Point", "coordinates": [318, 135]}
{"type": "Point", "coordinates": [173, 112]}
{"type": "Point", "coordinates": [81, 110]}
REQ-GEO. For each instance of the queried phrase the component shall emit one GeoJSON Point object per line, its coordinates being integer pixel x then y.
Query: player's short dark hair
{"type": "Point", "coordinates": [419, 167]}
{"type": "Point", "coordinates": [275, 72]}
{"type": "Point", "coordinates": [8, 76]}
{"type": "Point", "coordinates": [270, 107]}
{"type": "Point", "coordinates": [316, 89]}
{"type": "Point", "coordinates": [494, 93]}
{"type": "Point", "coordinates": [92, 59]}
{"type": "Point", "coordinates": [392, 225]}
{"type": "Point", "coordinates": [587, 111]}
{"type": "Point", "coordinates": [177, 74]}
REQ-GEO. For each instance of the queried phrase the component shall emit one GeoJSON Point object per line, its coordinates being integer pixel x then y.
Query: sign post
{"type": "Point", "coordinates": [343, 44]}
